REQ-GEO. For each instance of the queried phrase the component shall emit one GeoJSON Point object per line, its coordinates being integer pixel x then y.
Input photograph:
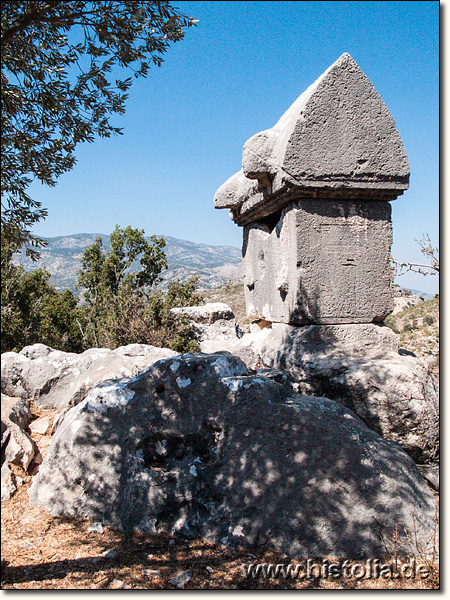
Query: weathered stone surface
{"type": "Point", "coordinates": [213, 325]}
{"type": "Point", "coordinates": [16, 410]}
{"type": "Point", "coordinates": [318, 233]}
{"type": "Point", "coordinates": [320, 262]}
{"type": "Point", "coordinates": [196, 447]}
{"type": "Point", "coordinates": [337, 139]}
{"type": "Point", "coordinates": [59, 379]}
{"type": "Point", "coordinates": [8, 486]}
{"type": "Point", "coordinates": [40, 426]}
{"type": "Point", "coordinates": [360, 367]}
{"type": "Point", "coordinates": [38, 351]}
{"type": "Point", "coordinates": [206, 314]}
{"type": "Point", "coordinates": [20, 448]}
{"type": "Point", "coordinates": [17, 446]}
{"type": "Point", "coordinates": [181, 579]}
{"type": "Point", "coordinates": [11, 368]}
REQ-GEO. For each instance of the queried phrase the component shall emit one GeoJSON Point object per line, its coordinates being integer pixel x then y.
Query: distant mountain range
{"type": "Point", "coordinates": [215, 265]}
{"type": "Point", "coordinates": [423, 295]}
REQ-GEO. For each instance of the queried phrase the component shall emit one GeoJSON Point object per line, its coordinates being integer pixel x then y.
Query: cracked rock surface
{"type": "Point", "coordinates": [195, 446]}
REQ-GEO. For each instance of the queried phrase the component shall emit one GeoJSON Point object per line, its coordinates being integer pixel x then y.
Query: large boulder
{"type": "Point", "coordinates": [361, 367]}
{"type": "Point", "coordinates": [195, 446]}
{"type": "Point", "coordinates": [60, 379]}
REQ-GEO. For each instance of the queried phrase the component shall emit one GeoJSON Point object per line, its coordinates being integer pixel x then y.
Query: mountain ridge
{"type": "Point", "coordinates": [215, 265]}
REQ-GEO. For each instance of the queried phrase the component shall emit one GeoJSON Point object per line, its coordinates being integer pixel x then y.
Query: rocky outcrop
{"type": "Point", "coordinates": [55, 379]}
{"type": "Point", "coordinates": [197, 447]}
{"type": "Point", "coordinates": [360, 367]}
{"type": "Point", "coordinates": [60, 379]}
{"type": "Point", "coordinates": [213, 325]}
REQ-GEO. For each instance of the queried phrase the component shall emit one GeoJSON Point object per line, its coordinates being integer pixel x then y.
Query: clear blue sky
{"type": "Point", "coordinates": [233, 75]}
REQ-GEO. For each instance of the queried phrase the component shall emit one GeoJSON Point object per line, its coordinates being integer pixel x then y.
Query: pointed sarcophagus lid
{"type": "Point", "coordinates": [338, 138]}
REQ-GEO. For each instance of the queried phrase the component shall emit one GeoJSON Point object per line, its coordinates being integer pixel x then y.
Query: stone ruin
{"type": "Point", "coordinates": [313, 198]}
{"type": "Point", "coordinates": [314, 434]}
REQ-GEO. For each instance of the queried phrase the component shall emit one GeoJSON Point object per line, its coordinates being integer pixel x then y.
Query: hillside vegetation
{"type": "Point", "coordinates": [62, 256]}
{"type": "Point", "coordinates": [418, 327]}
{"type": "Point", "coordinates": [120, 305]}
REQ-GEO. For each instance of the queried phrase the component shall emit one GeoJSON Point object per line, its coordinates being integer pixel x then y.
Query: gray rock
{"type": "Point", "coordinates": [313, 197]}
{"type": "Point", "coordinates": [338, 138]}
{"type": "Point", "coordinates": [35, 378]}
{"type": "Point", "coordinates": [17, 446]}
{"type": "Point", "coordinates": [20, 449]}
{"type": "Point", "coordinates": [152, 572]}
{"type": "Point", "coordinates": [36, 351]}
{"type": "Point", "coordinates": [323, 262]}
{"type": "Point", "coordinates": [181, 579]}
{"type": "Point", "coordinates": [16, 410]}
{"type": "Point", "coordinates": [206, 314]}
{"type": "Point", "coordinates": [213, 325]}
{"type": "Point", "coordinates": [303, 475]}
{"type": "Point", "coordinates": [430, 472]}
{"type": "Point", "coordinates": [359, 366]}
{"type": "Point", "coordinates": [95, 528]}
{"type": "Point", "coordinates": [143, 354]}
{"type": "Point", "coordinates": [11, 374]}
{"type": "Point", "coordinates": [59, 418]}
{"type": "Point", "coordinates": [118, 584]}
{"type": "Point", "coordinates": [60, 379]}
{"type": "Point", "coordinates": [8, 486]}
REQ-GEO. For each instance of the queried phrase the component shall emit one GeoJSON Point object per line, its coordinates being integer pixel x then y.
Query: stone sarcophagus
{"type": "Point", "coordinates": [313, 198]}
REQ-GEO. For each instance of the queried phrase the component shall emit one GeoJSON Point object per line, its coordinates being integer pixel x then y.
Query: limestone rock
{"type": "Point", "coordinates": [12, 382]}
{"type": "Point", "coordinates": [40, 426]}
{"type": "Point", "coordinates": [320, 262]}
{"type": "Point", "coordinates": [181, 579]}
{"type": "Point", "coordinates": [20, 449]}
{"type": "Point", "coordinates": [207, 314]}
{"type": "Point", "coordinates": [16, 410]}
{"type": "Point", "coordinates": [8, 487]}
{"type": "Point", "coordinates": [360, 367]}
{"type": "Point", "coordinates": [194, 446]}
{"type": "Point", "coordinates": [403, 302]}
{"type": "Point", "coordinates": [36, 351]}
{"type": "Point", "coordinates": [17, 446]}
{"type": "Point", "coordinates": [313, 197]}
{"type": "Point", "coordinates": [213, 325]}
{"type": "Point", "coordinates": [59, 379]}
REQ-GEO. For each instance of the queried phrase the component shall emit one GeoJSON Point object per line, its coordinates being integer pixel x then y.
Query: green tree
{"type": "Point", "coordinates": [122, 303]}
{"type": "Point", "coordinates": [57, 88]}
{"type": "Point", "coordinates": [32, 310]}
{"type": "Point", "coordinates": [111, 289]}
{"type": "Point", "coordinates": [104, 270]}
